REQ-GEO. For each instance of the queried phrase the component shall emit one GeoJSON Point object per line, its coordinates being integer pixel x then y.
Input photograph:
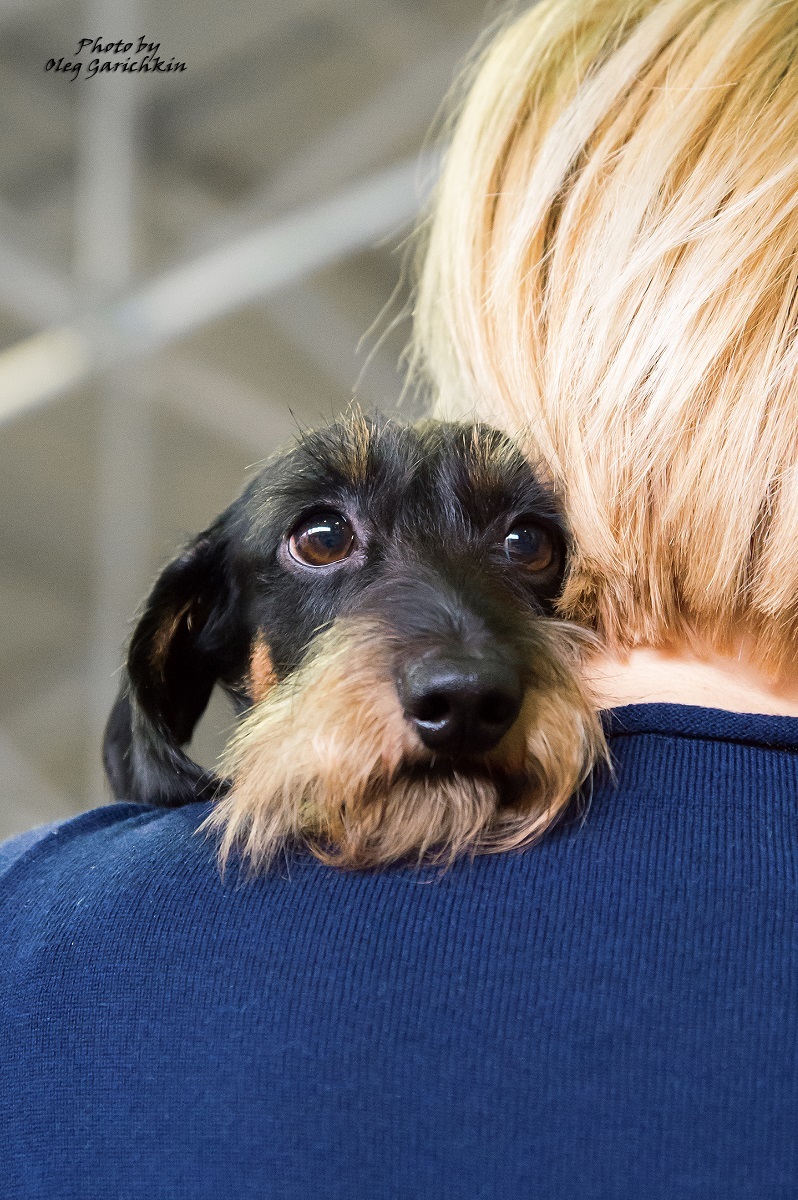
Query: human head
{"type": "Point", "coordinates": [611, 269]}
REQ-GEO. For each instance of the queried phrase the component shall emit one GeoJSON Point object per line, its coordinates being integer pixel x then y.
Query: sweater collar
{"type": "Point", "coordinates": [702, 724]}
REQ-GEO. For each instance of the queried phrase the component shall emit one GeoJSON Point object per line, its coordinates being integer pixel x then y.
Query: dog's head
{"type": "Point", "coordinates": [379, 604]}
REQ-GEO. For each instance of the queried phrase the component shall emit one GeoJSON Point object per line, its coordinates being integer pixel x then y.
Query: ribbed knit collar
{"type": "Point", "coordinates": [702, 724]}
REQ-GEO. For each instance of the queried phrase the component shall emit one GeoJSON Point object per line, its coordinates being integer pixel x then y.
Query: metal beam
{"type": "Point", "coordinates": [256, 265]}
{"type": "Point", "coordinates": [106, 164]}
{"type": "Point", "coordinates": [213, 285]}
{"type": "Point", "coordinates": [104, 264]}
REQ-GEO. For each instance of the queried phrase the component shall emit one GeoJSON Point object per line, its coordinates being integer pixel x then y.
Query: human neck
{"type": "Point", "coordinates": [648, 676]}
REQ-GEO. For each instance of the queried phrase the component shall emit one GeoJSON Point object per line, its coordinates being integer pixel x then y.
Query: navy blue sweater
{"type": "Point", "coordinates": [613, 1013]}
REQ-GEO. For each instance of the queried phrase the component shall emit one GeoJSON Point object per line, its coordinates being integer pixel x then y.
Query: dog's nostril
{"type": "Point", "coordinates": [435, 707]}
{"type": "Point", "coordinates": [463, 705]}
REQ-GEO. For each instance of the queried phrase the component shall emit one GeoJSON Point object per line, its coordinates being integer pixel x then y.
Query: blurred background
{"type": "Point", "coordinates": [192, 263]}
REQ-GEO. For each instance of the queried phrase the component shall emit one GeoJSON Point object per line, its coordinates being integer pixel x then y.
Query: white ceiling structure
{"type": "Point", "coordinates": [189, 262]}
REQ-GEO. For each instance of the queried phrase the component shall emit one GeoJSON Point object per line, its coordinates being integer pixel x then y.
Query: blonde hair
{"type": "Point", "coordinates": [611, 272]}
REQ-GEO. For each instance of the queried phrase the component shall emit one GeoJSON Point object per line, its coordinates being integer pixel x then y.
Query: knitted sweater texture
{"type": "Point", "coordinates": [611, 1014]}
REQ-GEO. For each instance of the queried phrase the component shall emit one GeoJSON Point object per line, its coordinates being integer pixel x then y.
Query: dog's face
{"type": "Point", "coordinates": [380, 601]}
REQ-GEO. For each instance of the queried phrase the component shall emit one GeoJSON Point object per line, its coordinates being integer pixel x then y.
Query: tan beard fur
{"type": "Point", "coordinates": [327, 759]}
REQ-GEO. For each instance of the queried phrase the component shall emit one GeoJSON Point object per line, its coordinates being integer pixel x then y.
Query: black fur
{"type": "Point", "coordinates": [431, 505]}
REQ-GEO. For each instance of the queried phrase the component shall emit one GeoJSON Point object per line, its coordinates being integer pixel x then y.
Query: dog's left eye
{"type": "Point", "coordinates": [321, 540]}
{"type": "Point", "coordinates": [531, 546]}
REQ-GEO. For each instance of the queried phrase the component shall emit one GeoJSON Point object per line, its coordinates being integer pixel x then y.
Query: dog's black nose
{"type": "Point", "coordinates": [460, 705]}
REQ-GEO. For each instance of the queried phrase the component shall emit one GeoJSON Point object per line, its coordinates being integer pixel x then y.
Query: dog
{"type": "Point", "coordinates": [379, 604]}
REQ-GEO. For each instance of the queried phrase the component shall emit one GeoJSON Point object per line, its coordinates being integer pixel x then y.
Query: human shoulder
{"type": "Point", "coordinates": [97, 845]}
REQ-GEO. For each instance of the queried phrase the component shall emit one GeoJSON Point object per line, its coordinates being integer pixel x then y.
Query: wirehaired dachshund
{"type": "Point", "coordinates": [379, 604]}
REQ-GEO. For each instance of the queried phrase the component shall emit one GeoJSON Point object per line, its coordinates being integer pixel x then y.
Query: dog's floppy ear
{"type": "Point", "coordinates": [189, 636]}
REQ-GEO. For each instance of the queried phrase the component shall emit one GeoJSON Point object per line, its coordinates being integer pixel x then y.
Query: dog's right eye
{"type": "Point", "coordinates": [321, 540]}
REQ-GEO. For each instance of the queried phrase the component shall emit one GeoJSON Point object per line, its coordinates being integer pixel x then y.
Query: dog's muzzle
{"type": "Point", "coordinates": [460, 705]}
